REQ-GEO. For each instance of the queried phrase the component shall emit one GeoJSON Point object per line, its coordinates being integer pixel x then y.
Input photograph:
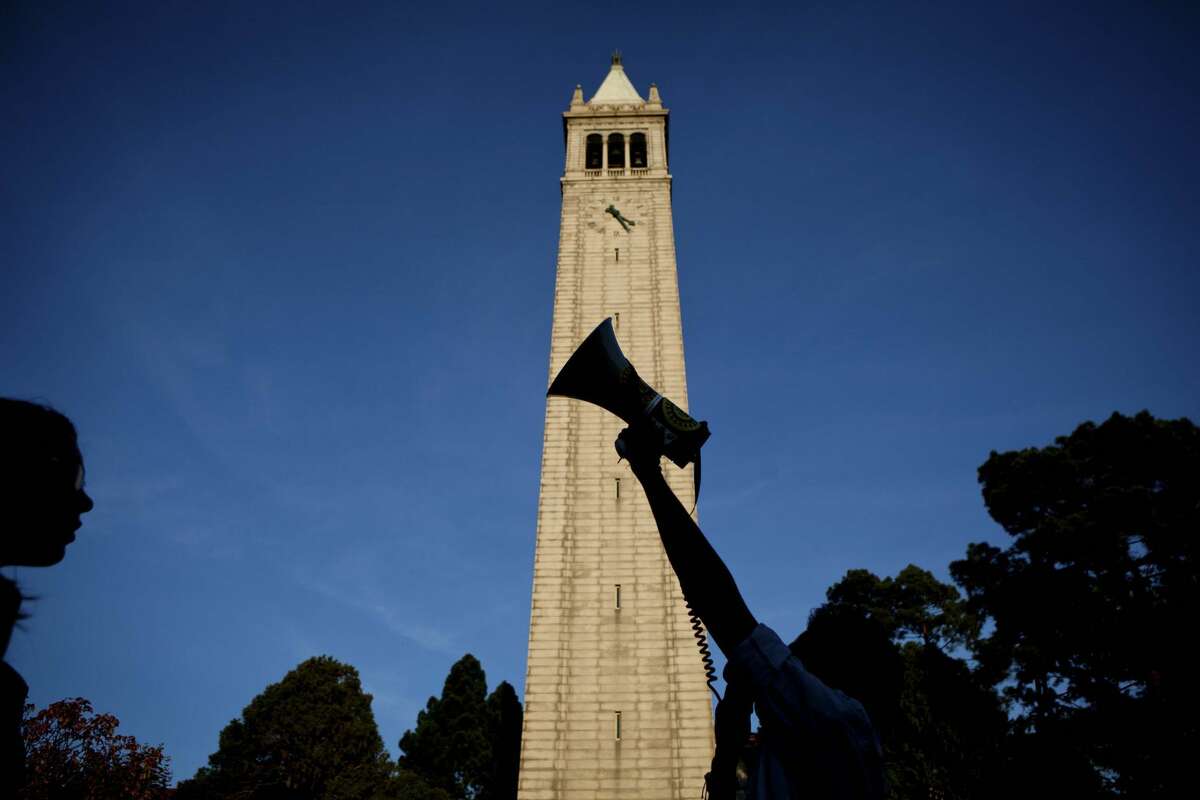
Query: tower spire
{"type": "Point", "coordinates": [616, 88]}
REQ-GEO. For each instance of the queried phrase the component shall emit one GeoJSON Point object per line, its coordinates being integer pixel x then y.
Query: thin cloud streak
{"type": "Point", "coordinates": [355, 587]}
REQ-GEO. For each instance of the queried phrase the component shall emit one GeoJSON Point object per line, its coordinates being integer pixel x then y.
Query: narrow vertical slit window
{"type": "Point", "coordinates": [617, 725]}
{"type": "Point", "coordinates": [618, 482]}
{"type": "Point", "coordinates": [617, 320]}
{"type": "Point", "coordinates": [617, 250]}
{"type": "Point", "coordinates": [617, 597]}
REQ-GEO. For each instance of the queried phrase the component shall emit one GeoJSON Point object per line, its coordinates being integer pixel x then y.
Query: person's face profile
{"type": "Point", "coordinates": [44, 510]}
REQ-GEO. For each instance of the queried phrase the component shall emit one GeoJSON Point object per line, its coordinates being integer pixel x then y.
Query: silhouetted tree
{"type": "Point", "coordinates": [74, 754]}
{"type": "Point", "coordinates": [312, 735]}
{"type": "Point", "coordinates": [504, 720]}
{"type": "Point", "coordinates": [949, 737]}
{"type": "Point", "coordinates": [408, 785]}
{"type": "Point", "coordinates": [914, 605]}
{"type": "Point", "coordinates": [1090, 602]}
{"type": "Point", "coordinates": [466, 742]}
{"type": "Point", "coordinates": [941, 727]}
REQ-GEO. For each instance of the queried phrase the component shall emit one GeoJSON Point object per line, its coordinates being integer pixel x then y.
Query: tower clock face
{"type": "Point", "coordinates": [633, 209]}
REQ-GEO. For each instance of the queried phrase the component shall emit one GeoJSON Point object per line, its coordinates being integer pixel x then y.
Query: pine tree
{"type": "Point", "coordinates": [504, 717]}
{"type": "Point", "coordinates": [1091, 603]}
{"type": "Point", "coordinates": [312, 735]}
{"type": "Point", "coordinates": [467, 742]}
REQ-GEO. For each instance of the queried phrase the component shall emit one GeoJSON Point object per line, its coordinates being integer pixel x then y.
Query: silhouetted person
{"type": "Point", "coordinates": [815, 741]}
{"type": "Point", "coordinates": [41, 502]}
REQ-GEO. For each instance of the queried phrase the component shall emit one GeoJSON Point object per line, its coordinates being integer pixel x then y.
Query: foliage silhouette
{"type": "Point", "coordinates": [312, 735]}
{"type": "Point", "coordinates": [940, 726]}
{"type": "Point", "coordinates": [1089, 601]}
{"type": "Point", "coordinates": [949, 732]}
{"type": "Point", "coordinates": [504, 718]}
{"type": "Point", "coordinates": [466, 742]}
{"type": "Point", "coordinates": [913, 606]}
{"type": "Point", "coordinates": [407, 785]}
{"type": "Point", "coordinates": [504, 714]}
{"type": "Point", "coordinates": [72, 752]}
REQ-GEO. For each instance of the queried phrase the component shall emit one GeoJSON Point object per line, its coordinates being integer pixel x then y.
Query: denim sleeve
{"type": "Point", "coordinates": [828, 724]}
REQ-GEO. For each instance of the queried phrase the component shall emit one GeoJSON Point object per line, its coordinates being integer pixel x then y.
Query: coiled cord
{"type": "Point", "coordinates": [710, 670]}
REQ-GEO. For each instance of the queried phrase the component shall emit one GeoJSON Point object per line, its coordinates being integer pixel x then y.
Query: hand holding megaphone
{"type": "Point", "coordinates": [599, 373]}
{"type": "Point", "coordinates": [640, 447]}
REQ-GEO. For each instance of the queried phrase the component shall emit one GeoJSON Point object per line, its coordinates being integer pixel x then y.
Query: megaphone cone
{"type": "Point", "coordinates": [599, 373]}
{"type": "Point", "coordinates": [596, 372]}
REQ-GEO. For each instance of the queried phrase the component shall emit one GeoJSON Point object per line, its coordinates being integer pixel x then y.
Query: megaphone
{"type": "Point", "coordinates": [599, 373]}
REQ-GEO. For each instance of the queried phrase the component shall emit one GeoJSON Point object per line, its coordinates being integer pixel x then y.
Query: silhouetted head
{"type": "Point", "coordinates": [41, 484]}
{"type": "Point", "coordinates": [852, 653]}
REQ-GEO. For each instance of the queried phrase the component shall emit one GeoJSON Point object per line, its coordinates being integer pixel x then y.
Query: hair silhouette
{"type": "Point", "coordinates": [41, 504]}
{"type": "Point", "coordinates": [848, 651]}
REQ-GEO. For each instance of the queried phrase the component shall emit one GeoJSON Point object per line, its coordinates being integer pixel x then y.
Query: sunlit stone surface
{"type": "Point", "coordinates": [590, 660]}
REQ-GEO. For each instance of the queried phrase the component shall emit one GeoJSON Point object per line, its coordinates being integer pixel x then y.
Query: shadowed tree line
{"type": "Point", "coordinates": [1056, 666]}
{"type": "Point", "coordinates": [313, 735]}
{"type": "Point", "coordinates": [1062, 667]}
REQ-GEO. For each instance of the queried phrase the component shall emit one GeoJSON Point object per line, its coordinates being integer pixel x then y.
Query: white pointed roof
{"type": "Point", "coordinates": [616, 88]}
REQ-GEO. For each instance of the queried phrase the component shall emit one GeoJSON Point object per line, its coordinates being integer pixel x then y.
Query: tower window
{"type": "Point", "coordinates": [618, 480]}
{"type": "Point", "coordinates": [616, 150]}
{"type": "Point", "coordinates": [637, 150]}
{"type": "Point", "coordinates": [594, 151]}
{"type": "Point", "coordinates": [617, 597]}
{"type": "Point", "coordinates": [617, 725]}
{"type": "Point", "coordinates": [618, 252]}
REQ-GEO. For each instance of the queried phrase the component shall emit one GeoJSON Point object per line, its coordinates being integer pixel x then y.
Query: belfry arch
{"type": "Point", "coordinates": [616, 151]}
{"type": "Point", "coordinates": [594, 151]}
{"type": "Point", "coordinates": [638, 157]}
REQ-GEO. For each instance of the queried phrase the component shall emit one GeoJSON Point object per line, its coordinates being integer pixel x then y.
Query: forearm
{"type": "Point", "coordinates": [706, 581]}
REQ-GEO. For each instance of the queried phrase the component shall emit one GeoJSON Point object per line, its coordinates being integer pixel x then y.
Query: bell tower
{"type": "Point", "coordinates": [616, 704]}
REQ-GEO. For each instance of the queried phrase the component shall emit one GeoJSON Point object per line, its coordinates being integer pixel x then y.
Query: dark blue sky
{"type": "Point", "coordinates": [290, 269]}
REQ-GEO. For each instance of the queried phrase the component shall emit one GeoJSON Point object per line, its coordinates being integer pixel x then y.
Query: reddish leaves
{"type": "Point", "coordinates": [72, 752]}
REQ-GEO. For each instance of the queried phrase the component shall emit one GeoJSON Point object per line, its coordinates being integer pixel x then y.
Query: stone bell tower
{"type": "Point", "coordinates": [616, 704]}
